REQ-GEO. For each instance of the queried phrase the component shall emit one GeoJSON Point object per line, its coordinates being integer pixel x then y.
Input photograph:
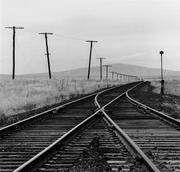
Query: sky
{"type": "Point", "coordinates": [127, 31]}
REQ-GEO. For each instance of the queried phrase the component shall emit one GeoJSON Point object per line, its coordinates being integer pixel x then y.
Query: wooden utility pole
{"type": "Point", "coordinates": [100, 67]}
{"type": "Point", "coordinates": [107, 68]}
{"type": "Point", "coordinates": [90, 53]}
{"type": "Point", "coordinates": [113, 74]}
{"type": "Point", "coordinates": [127, 77]}
{"type": "Point", "coordinates": [123, 78]}
{"type": "Point", "coordinates": [14, 42]}
{"type": "Point", "coordinates": [47, 51]}
{"type": "Point", "coordinates": [120, 76]}
{"type": "Point", "coordinates": [117, 75]}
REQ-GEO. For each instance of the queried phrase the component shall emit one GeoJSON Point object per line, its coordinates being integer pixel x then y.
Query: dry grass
{"type": "Point", "coordinates": [170, 102]}
{"type": "Point", "coordinates": [170, 87]}
{"type": "Point", "coordinates": [23, 94]}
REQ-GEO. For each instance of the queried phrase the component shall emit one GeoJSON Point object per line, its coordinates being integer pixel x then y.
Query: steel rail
{"type": "Point", "coordinates": [147, 108]}
{"type": "Point", "coordinates": [128, 142]}
{"type": "Point", "coordinates": [96, 97]}
{"type": "Point", "coordinates": [40, 157]}
{"type": "Point", "coordinates": [23, 122]}
{"type": "Point", "coordinates": [30, 164]}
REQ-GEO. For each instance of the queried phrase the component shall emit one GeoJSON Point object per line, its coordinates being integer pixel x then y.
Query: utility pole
{"type": "Point", "coordinates": [100, 67]}
{"type": "Point", "coordinates": [117, 75]}
{"type": "Point", "coordinates": [47, 51]}
{"type": "Point", "coordinates": [90, 53]}
{"type": "Point", "coordinates": [162, 80]}
{"type": "Point", "coordinates": [123, 77]}
{"type": "Point", "coordinates": [120, 76]}
{"type": "Point", "coordinates": [113, 74]}
{"type": "Point", "coordinates": [127, 78]}
{"type": "Point", "coordinates": [14, 41]}
{"type": "Point", "coordinates": [107, 67]}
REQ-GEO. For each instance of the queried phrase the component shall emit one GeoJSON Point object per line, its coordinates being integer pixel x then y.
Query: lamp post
{"type": "Point", "coordinates": [162, 80]}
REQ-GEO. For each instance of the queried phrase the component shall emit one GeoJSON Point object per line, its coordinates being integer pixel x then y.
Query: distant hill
{"type": "Point", "coordinates": [140, 71]}
{"type": "Point", "coordinates": [81, 73]}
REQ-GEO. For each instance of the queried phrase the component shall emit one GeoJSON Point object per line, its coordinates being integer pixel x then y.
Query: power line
{"type": "Point", "coordinates": [69, 37]}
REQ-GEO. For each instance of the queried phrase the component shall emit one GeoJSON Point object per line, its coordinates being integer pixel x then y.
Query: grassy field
{"type": "Point", "coordinates": [25, 94]}
{"type": "Point", "coordinates": [170, 87]}
{"type": "Point", "coordinates": [171, 99]}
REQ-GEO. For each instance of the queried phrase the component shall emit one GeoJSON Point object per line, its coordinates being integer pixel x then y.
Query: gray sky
{"type": "Point", "coordinates": [128, 31]}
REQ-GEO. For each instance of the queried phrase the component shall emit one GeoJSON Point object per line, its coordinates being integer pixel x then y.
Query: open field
{"type": "Point", "coordinates": [169, 103]}
{"type": "Point", "coordinates": [25, 94]}
{"type": "Point", "coordinates": [170, 87]}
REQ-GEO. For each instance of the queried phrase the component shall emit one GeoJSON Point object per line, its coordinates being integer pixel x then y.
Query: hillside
{"type": "Point", "coordinates": [140, 71]}
{"type": "Point", "coordinates": [81, 73]}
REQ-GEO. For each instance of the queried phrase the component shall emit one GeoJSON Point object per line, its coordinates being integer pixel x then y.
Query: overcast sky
{"type": "Point", "coordinates": [128, 31]}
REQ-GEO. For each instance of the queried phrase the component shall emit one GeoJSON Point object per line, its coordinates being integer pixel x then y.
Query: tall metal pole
{"type": "Point", "coordinates": [162, 80]}
{"type": "Point", "coordinates": [100, 67]}
{"type": "Point", "coordinates": [47, 52]}
{"type": "Point", "coordinates": [90, 53]}
{"type": "Point", "coordinates": [14, 44]}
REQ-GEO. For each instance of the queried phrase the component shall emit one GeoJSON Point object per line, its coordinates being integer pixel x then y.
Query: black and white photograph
{"type": "Point", "coordinates": [89, 86]}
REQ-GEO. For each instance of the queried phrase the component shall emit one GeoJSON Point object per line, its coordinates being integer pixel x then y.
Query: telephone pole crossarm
{"type": "Point", "coordinates": [43, 33]}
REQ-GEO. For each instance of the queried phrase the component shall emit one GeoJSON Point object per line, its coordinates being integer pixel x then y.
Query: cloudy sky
{"type": "Point", "coordinates": [128, 31]}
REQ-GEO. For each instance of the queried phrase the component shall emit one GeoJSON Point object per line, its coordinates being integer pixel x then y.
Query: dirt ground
{"type": "Point", "coordinates": [168, 103]}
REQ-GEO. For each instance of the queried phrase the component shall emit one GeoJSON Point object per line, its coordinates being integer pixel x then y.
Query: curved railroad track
{"type": "Point", "coordinates": [120, 133]}
{"type": "Point", "coordinates": [23, 140]}
{"type": "Point", "coordinates": [96, 136]}
{"type": "Point", "coordinates": [157, 134]}
{"type": "Point", "coordinates": [29, 145]}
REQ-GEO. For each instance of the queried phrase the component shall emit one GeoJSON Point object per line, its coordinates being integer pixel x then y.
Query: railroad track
{"type": "Point", "coordinates": [23, 140]}
{"type": "Point", "coordinates": [96, 136]}
{"type": "Point", "coordinates": [154, 132]}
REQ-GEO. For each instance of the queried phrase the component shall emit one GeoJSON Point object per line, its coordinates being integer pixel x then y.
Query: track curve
{"type": "Point", "coordinates": [23, 140]}
{"type": "Point", "coordinates": [64, 154]}
{"type": "Point", "coordinates": [154, 132]}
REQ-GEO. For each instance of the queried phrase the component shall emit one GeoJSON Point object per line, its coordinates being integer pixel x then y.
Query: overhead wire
{"type": "Point", "coordinates": [58, 35]}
